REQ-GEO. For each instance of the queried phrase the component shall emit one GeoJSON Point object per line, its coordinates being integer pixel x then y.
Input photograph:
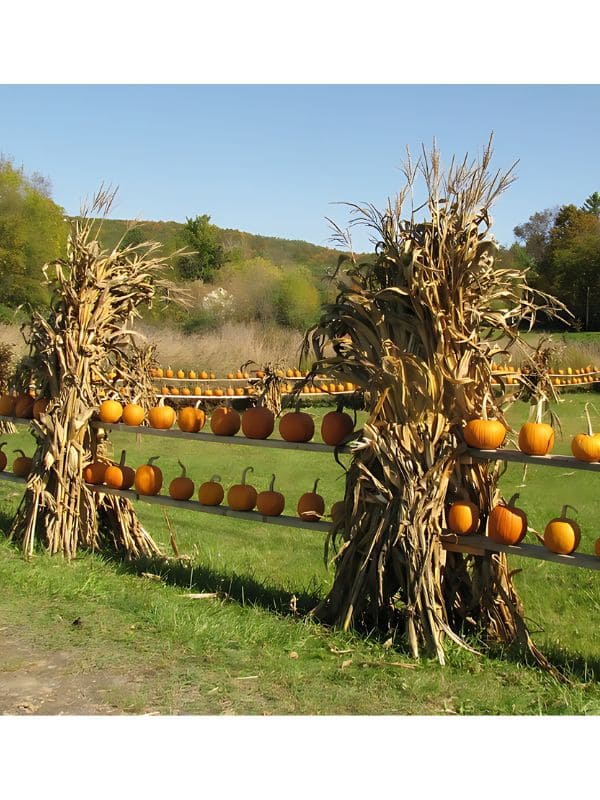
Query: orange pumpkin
{"type": "Point", "coordinates": [311, 505]}
{"type": "Point", "coordinates": [484, 433]}
{"type": "Point", "coordinates": [3, 459]}
{"type": "Point", "coordinates": [225, 421]}
{"type": "Point", "coordinates": [296, 426]}
{"type": "Point", "coordinates": [110, 411]}
{"type": "Point", "coordinates": [336, 426]}
{"type": "Point", "coordinates": [586, 446]}
{"type": "Point", "coordinates": [242, 496]}
{"type": "Point", "coordinates": [119, 476]}
{"type": "Point", "coordinates": [536, 438]}
{"type": "Point", "coordinates": [211, 493]}
{"type": "Point", "coordinates": [562, 535]}
{"type": "Point", "coordinates": [24, 406]}
{"type": "Point", "coordinates": [39, 407]}
{"type": "Point", "coordinates": [338, 512]}
{"type": "Point", "coordinates": [169, 372]}
{"type": "Point", "coordinates": [507, 524]}
{"type": "Point", "coordinates": [258, 422]}
{"type": "Point", "coordinates": [94, 472]}
{"type": "Point", "coordinates": [148, 478]}
{"type": "Point", "coordinates": [463, 517]}
{"type": "Point", "coordinates": [181, 488]}
{"type": "Point", "coordinates": [190, 419]}
{"type": "Point", "coordinates": [22, 465]}
{"type": "Point", "coordinates": [161, 416]}
{"type": "Point", "coordinates": [133, 414]}
{"type": "Point", "coordinates": [7, 405]}
{"type": "Point", "coordinates": [270, 503]}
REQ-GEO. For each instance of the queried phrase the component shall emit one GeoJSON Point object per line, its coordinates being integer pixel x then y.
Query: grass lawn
{"type": "Point", "coordinates": [245, 650]}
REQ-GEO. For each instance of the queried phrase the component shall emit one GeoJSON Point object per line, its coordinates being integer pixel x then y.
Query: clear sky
{"type": "Point", "coordinates": [273, 159]}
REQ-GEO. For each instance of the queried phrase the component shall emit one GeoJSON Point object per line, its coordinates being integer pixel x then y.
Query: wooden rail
{"type": "Point", "coordinates": [454, 542]}
{"type": "Point", "coordinates": [564, 462]}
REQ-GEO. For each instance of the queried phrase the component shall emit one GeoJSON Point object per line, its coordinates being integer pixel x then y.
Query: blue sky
{"type": "Point", "coordinates": [273, 159]}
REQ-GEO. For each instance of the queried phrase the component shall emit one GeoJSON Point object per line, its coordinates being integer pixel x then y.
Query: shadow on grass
{"type": "Point", "coordinates": [243, 589]}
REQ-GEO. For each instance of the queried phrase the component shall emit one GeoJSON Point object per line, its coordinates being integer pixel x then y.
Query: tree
{"type": "Point", "coordinates": [207, 255]}
{"type": "Point", "coordinates": [535, 233]}
{"type": "Point", "coordinates": [33, 231]}
{"type": "Point", "coordinates": [592, 204]}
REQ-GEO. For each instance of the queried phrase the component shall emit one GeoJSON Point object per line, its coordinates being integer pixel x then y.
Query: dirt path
{"type": "Point", "coordinates": [38, 681]}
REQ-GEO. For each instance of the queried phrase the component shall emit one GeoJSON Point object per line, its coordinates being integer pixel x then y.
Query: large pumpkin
{"type": "Point", "coordinates": [94, 472]}
{"type": "Point", "coordinates": [39, 407]}
{"type": "Point", "coordinates": [133, 414]}
{"type": "Point", "coordinates": [311, 506]}
{"type": "Point", "coordinates": [211, 493]}
{"type": "Point", "coordinates": [507, 524]}
{"type": "Point", "coordinates": [190, 419]}
{"type": "Point", "coordinates": [3, 458]}
{"type": "Point", "coordinates": [296, 426]}
{"type": "Point", "coordinates": [586, 446]}
{"type": "Point", "coordinates": [24, 406]}
{"type": "Point", "coordinates": [270, 503]}
{"type": "Point", "coordinates": [161, 416]}
{"type": "Point", "coordinates": [258, 422]}
{"type": "Point", "coordinates": [536, 438]}
{"type": "Point", "coordinates": [7, 405]}
{"type": "Point", "coordinates": [225, 421]}
{"type": "Point", "coordinates": [148, 478]}
{"type": "Point", "coordinates": [338, 512]}
{"type": "Point", "coordinates": [22, 464]}
{"type": "Point", "coordinates": [336, 426]}
{"type": "Point", "coordinates": [242, 496]}
{"type": "Point", "coordinates": [463, 517]}
{"type": "Point", "coordinates": [119, 476]}
{"type": "Point", "coordinates": [484, 433]}
{"type": "Point", "coordinates": [110, 411]}
{"type": "Point", "coordinates": [181, 488]}
{"type": "Point", "coordinates": [562, 535]}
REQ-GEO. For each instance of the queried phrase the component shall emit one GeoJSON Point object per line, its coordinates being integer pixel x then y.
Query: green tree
{"type": "Point", "coordinates": [297, 300]}
{"type": "Point", "coordinates": [207, 255]}
{"type": "Point", "coordinates": [33, 231]}
{"type": "Point", "coordinates": [535, 233]}
{"type": "Point", "coordinates": [592, 204]}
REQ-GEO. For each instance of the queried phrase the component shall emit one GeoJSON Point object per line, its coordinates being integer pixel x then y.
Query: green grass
{"type": "Point", "coordinates": [236, 653]}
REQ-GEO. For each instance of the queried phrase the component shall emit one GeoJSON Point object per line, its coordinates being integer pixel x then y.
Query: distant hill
{"type": "Point", "coordinates": [283, 252]}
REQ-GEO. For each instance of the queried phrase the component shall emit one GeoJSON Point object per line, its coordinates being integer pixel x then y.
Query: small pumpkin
{"type": "Point", "coordinates": [161, 416]}
{"type": "Point", "coordinates": [94, 472]}
{"type": "Point", "coordinates": [258, 422]}
{"type": "Point", "coordinates": [190, 419]}
{"type": "Point", "coordinates": [536, 438]}
{"type": "Point", "coordinates": [211, 493]}
{"type": "Point", "coordinates": [562, 535]}
{"type": "Point", "coordinates": [181, 488]}
{"type": "Point", "coordinates": [586, 446]}
{"type": "Point", "coordinates": [24, 406]}
{"type": "Point", "coordinates": [148, 478]}
{"type": "Point", "coordinates": [507, 524]}
{"type": "Point", "coordinates": [39, 407]}
{"type": "Point", "coordinates": [311, 506]}
{"type": "Point", "coordinates": [3, 458]}
{"type": "Point", "coordinates": [297, 426]}
{"type": "Point", "coordinates": [119, 476]}
{"type": "Point", "coordinates": [463, 517]}
{"type": "Point", "coordinates": [597, 547]}
{"type": "Point", "coordinates": [169, 372]}
{"type": "Point", "coordinates": [180, 374]}
{"type": "Point", "coordinates": [225, 421]}
{"type": "Point", "coordinates": [110, 411]}
{"type": "Point", "coordinates": [22, 464]}
{"type": "Point", "coordinates": [133, 414]}
{"type": "Point", "coordinates": [7, 405]}
{"type": "Point", "coordinates": [484, 433]}
{"type": "Point", "coordinates": [242, 496]}
{"type": "Point", "coordinates": [270, 503]}
{"type": "Point", "coordinates": [338, 512]}
{"type": "Point", "coordinates": [336, 426]}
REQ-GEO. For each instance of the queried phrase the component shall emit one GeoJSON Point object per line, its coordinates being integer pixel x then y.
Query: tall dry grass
{"type": "Point", "coordinates": [225, 349]}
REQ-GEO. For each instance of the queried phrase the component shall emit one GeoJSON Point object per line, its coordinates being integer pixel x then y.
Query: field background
{"type": "Point", "coordinates": [250, 650]}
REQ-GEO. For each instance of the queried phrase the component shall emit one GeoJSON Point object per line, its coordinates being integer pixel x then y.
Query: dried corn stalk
{"type": "Point", "coordinates": [417, 328]}
{"type": "Point", "coordinates": [95, 296]}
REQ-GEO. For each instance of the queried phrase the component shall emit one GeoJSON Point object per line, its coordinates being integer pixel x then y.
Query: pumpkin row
{"type": "Point", "coordinates": [244, 391]}
{"type": "Point", "coordinates": [148, 480]}
{"type": "Point", "coordinates": [535, 438]}
{"type": "Point", "coordinates": [507, 524]}
{"type": "Point", "coordinates": [256, 423]}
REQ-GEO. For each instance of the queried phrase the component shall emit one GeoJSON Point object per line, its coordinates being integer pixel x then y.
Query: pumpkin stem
{"type": "Point", "coordinates": [2, 445]}
{"type": "Point", "coordinates": [484, 414]}
{"type": "Point", "coordinates": [315, 486]}
{"type": "Point", "coordinates": [513, 500]}
{"type": "Point", "coordinates": [183, 475]}
{"type": "Point", "coordinates": [21, 452]}
{"type": "Point", "coordinates": [215, 479]}
{"type": "Point", "coordinates": [248, 469]}
{"type": "Point", "coordinates": [589, 421]}
{"type": "Point", "coordinates": [271, 483]}
{"type": "Point", "coordinates": [122, 460]}
{"type": "Point", "coordinates": [151, 460]}
{"type": "Point", "coordinates": [563, 513]}
{"type": "Point", "coordinates": [340, 405]}
{"type": "Point", "coordinates": [539, 409]}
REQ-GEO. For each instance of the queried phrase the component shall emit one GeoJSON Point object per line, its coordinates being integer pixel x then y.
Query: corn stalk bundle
{"type": "Point", "coordinates": [416, 327]}
{"type": "Point", "coordinates": [95, 296]}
